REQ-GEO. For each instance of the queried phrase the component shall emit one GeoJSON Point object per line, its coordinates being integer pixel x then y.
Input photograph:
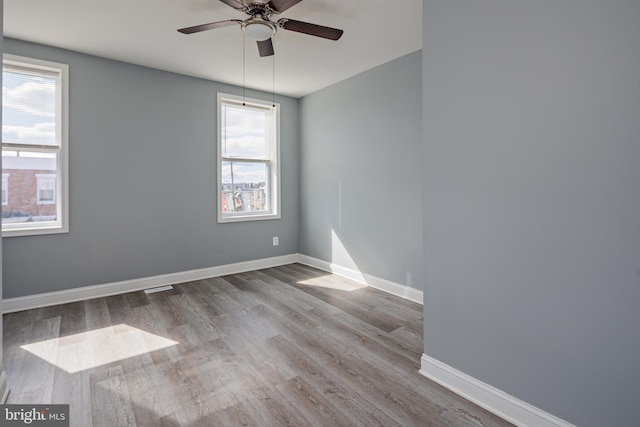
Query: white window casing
{"type": "Point", "coordinates": [35, 142]}
{"type": "Point", "coordinates": [248, 159]}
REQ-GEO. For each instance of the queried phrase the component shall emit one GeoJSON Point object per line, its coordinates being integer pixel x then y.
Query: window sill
{"type": "Point", "coordinates": [34, 231]}
{"type": "Point", "coordinates": [245, 218]}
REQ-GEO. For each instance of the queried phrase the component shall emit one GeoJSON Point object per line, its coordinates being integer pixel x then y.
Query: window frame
{"type": "Point", "coordinates": [273, 163]}
{"type": "Point", "coordinates": [61, 225]}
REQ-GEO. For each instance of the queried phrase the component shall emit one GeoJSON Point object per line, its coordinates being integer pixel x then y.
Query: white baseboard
{"type": "Point", "coordinates": [490, 398]}
{"type": "Point", "coordinates": [10, 305]}
{"type": "Point", "coordinates": [393, 288]}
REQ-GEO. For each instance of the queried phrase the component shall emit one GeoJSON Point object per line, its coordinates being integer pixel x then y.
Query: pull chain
{"type": "Point", "coordinates": [244, 67]}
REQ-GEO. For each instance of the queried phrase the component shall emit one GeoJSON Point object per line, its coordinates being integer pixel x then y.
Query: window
{"type": "Point", "coordinates": [248, 159]}
{"type": "Point", "coordinates": [46, 189]}
{"type": "Point", "coordinates": [5, 189]}
{"type": "Point", "coordinates": [34, 146]}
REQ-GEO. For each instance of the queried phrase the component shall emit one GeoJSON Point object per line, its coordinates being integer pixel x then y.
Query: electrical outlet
{"type": "Point", "coordinates": [276, 241]}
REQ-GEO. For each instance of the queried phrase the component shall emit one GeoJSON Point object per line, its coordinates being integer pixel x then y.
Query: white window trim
{"type": "Point", "coordinates": [274, 178]}
{"type": "Point", "coordinates": [5, 188]}
{"type": "Point", "coordinates": [62, 188]}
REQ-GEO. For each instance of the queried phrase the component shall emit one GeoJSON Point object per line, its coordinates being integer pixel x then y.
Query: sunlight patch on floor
{"type": "Point", "coordinates": [87, 350]}
{"type": "Point", "coordinates": [339, 256]}
{"type": "Point", "coordinates": [341, 285]}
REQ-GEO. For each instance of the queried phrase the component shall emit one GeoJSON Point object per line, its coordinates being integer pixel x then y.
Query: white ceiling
{"type": "Point", "coordinates": [144, 32]}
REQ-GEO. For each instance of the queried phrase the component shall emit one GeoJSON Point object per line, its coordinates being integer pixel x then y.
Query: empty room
{"type": "Point", "coordinates": [317, 212]}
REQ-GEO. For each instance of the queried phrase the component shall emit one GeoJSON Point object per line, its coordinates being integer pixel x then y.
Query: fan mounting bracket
{"type": "Point", "coordinates": [256, 9]}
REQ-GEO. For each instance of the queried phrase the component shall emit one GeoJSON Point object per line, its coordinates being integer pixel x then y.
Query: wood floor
{"type": "Point", "coordinates": [288, 346]}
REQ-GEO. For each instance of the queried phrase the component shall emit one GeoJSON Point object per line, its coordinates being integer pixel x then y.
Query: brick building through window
{"type": "Point", "coordinates": [29, 187]}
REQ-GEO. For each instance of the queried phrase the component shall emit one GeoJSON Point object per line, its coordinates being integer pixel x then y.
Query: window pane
{"type": "Point", "coordinates": [5, 188]}
{"type": "Point", "coordinates": [244, 132]}
{"type": "Point", "coordinates": [46, 188]}
{"type": "Point", "coordinates": [31, 188]}
{"type": "Point", "coordinates": [244, 187]}
{"type": "Point", "coordinates": [29, 108]}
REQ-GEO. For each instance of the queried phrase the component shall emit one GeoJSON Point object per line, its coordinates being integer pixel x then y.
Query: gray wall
{"type": "Point", "coordinates": [1, 240]}
{"type": "Point", "coordinates": [143, 181]}
{"type": "Point", "coordinates": [361, 179]}
{"type": "Point", "coordinates": [532, 200]}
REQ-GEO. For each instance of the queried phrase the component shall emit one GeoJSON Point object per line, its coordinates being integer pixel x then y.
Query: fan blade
{"type": "Point", "coordinates": [209, 26]}
{"type": "Point", "coordinates": [265, 47]}
{"type": "Point", "coordinates": [236, 4]}
{"type": "Point", "coordinates": [311, 29]}
{"type": "Point", "coordinates": [281, 5]}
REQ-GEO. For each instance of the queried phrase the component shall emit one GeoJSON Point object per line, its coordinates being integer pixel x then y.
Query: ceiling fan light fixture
{"type": "Point", "coordinates": [259, 30]}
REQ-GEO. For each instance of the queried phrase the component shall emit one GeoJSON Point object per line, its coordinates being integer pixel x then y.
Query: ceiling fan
{"type": "Point", "coordinates": [260, 27]}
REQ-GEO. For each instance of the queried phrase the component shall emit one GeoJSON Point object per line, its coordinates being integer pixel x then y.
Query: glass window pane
{"type": "Point", "coordinates": [5, 188]}
{"type": "Point", "coordinates": [244, 132]}
{"type": "Point", "coordinates": [29, 108]}
{"type": "Point", "coordinates": [46, 188]}
{"type": "Point", "coordinates": [244, 187]}
{"type": "Point", "coordinates": [31, 188]}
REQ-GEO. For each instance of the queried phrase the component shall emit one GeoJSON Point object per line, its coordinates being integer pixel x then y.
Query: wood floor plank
{"type": "Point", "coordinates": [170, 313]}
{"type": "Point", "coordinates": [137, 299]}
{"type": "Point", "coordinates": [170, 420]}
{"type": "Point", "coordinates": [37, 373]}
{"type": "Point", "coordinates": [18, 330]}
{"type": "Point", "coordinates": [282, 346]}
{"type": "Point", "coordinates": [144, 319]}
{"type": "Point", "coordinates": [282, 292]}
{"type": "Point", "coordinates": [315, 407]}
{"type": "Point", "coordinates": [74, 390]}
{"type": "Point", "coordinates": [285, 305]}
{"type": "Point", "coordinates": [112, 405]}
{"type": "Point", "coordinates": [372, 345]}
{"type": "Point", "coordinates": [97, 314]}
{"type": "Point", "coordinates": [388, 339]}
{"type": "Point", "coordinates": [362, 413]}
{"type": "Point", "coordinates": [268, 407]}
{"type": "Point", "coordinates": [403, 309]}
{"type": "Point", "coordinates": [234, 303]}
{"type": "Point", "coordinates": [48, 312]}
{"type": "Point", "coordinates": [119, 308]}
{"type": "Point", "coordinates": [198, 317]}
{"type": "Point", "coordinates": [285, 279]}
{"type": "Point", "coordinates": [315, 341]}
{"type": "Point", "coordinates": [153, 393]}
{"type": "Point", "coordinates": [384, 394]}
{"type": "Point", "coordinates": [74, 319]}
{"type": "Point", "coordinates": [411, 342]}
{"type": "Point", "coordinates": [341, 300]}
{"type": "Point", "coordinates": [233, 416]}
